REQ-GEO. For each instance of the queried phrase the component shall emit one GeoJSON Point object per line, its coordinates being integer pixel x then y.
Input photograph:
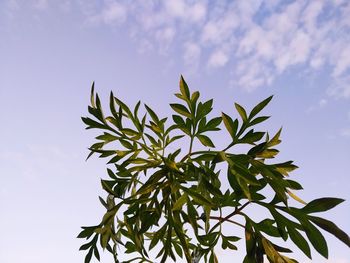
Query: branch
{"type": "Point", "coordinates": [227, 218]}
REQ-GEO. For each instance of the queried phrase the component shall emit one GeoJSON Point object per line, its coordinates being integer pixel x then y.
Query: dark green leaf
{"type": "Point", "coordinates": [205, 140]}
{"type": "Point", "coordinates": [184, 88]}
{"type": "Point", "coordinates": [92, 95]}
{"type": "Point", "coordinates": [258, 120]}
{"type": "Point", "coordinates": [231, 126]}
{"type": "Point", "coordinates": [299, 240]}
{"type": "Point", "coordinates": [259, 107]}
{"type": "Point", "coordinates": [241, 112]}
{"type": "Point", "coordinates": [180, 202]}
{"type": "Point", "coordinates": [88, 256]}
{"type": "Point", "coordinates": [181, 109]}
{"type": "Point", "coordinates": [331, 228]}
{"type": "Point", "coordinates": [152, 114]}
{"type": "Point", "coordinates": [321, 204]}
{"type": "Point", "coordinates": [316, 238]}
{"type": "Point", "coordinates": [213, 123]}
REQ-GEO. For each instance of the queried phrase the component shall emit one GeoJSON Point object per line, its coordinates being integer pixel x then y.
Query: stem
{"type": "Point", "coordinates": [195, 153]}
{"type": "Point", "coordinates": [221, 219]}
{"type": "Point", "coordinates": [241, 130]}
{"type": "Point", "coordinates": [191, 144]}
{"type": "Point", "coordinates": [227, 218]}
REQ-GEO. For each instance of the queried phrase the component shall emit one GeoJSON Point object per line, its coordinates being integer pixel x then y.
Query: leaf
{"type": "Point", "coordinates": [295, 197]}
{"type": "Point", "coordinates": [181, 109]}
{"type": "Point", "coordinates": [184, 88]}
{"type": "Point", "coordinates": [97, 255]}
{"type": "Point", "coordinates": [157, 236]}
{"type": "Point", "coordinates": [92, 124]}
{"type": "Point", "coordinates": [270, 250]}
{"type": "Point", "coordinates": [259, 107]}
{"type": "Point", "coordinates": [213, 123]}
{"type": "Point", "coordinates": [152, 114]}
{"type": "Point", "coordinates": [194, 97]}
{"type": "Point", "coordinates": [200, 199]}
{"type": "Point", "coordinates": [87, 231]}
{"type": "Point", "coordinates": [321, 205]}
{"type": "Point", "coordinates": [258, 120]}
{"type": "Point", "coordinates": [205, 140]}
{"type": "Point", "coordinates": [180, 202]}
{"type": "Point", "coordinates": [92, 94]}
{"type": "Point", "coordinates": [231, 126]}
{"type": "Point", "coordinates": [331, 228]}
{"type": "Point", "coordinates": [275, 140]}
{"type": "Point", "coordinates": [204, 109]}
{"type": "Point", "coordinates": [299, 240]}
{"type": "Point", "coordinates": [285, 168]}
{"type": "Point", "coordinates": [241, 112]}
{"type": "Point", "coordinates": [316, 238]}
{"type": "Point", "coordinates": [249, 238]}
{"type": "Point", "coordinates": [88, 256]}
{"type": "Point", "coordinates": [178, 120]}
{"type": "Point", "coordinates": [251, 137]}
{"type": "Point", "coordinates": [294, 185]}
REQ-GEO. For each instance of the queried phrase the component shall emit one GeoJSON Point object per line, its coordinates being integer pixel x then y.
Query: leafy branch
{"type": "Point", "coordinates": [172, 200]}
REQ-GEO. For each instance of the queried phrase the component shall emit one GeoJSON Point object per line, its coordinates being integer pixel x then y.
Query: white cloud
{"type": "Point", "coordinates": [343, 62]}
{"type": "Point", "coordinates": [340, 88]}
{"type": "Point", "coordinates": [260, 39]}
{"type": "Point", "coordinates": [112, 13]}
{"type": "Point", "coordinates": [164, 37]}
{"type": "Point", "coordinates": [192, 55]}
{"type": "Point", "coordinates": [218, 59]}
{"type": "Point", "coordinates": [219, 30]}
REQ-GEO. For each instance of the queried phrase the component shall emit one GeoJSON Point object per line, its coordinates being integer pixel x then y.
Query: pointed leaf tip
{"type": "Point", "coordinates": [260, 107]}
{"type": "Point", "coordinates": [184, 88]}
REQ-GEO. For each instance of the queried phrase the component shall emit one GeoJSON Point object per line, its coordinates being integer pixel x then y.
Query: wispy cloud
{"type": "Point", "coordinates": [256, 41]}
{"type": "Point", "coordinates": [111, 13]}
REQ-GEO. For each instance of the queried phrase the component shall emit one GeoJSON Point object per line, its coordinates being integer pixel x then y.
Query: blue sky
{"type": "Point", "coordinates": [244, 51]}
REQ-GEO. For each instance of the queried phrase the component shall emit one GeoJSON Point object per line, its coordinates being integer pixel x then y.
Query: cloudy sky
{"type": "Point", "coordinates": [243, 51]}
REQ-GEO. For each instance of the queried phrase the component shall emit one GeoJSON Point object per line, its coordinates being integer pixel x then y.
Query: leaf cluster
{"type": "Point", "coordinates": [171, 199]}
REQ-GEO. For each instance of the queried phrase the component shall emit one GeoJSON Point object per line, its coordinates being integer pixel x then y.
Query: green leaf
{"type": "Point", "coordinates": [184, 88]}
{"type": "Point", "coordinates": [321, 204]}
{"type": "Point", "coordinates": [92, 94]}
{"type": "Point", "coordinates": [259, 107]}
{"type": "Point", "coordinates": [180, 202]}
{"type": "Point", "coordinates": [331, 228]}
{"type": "Point", "coordinates": [241, 112]}
{"type": "Point", "coordinates": [299, 240]}
{"type": "Point", "coordinates": [194, 97]}
{"type": "Point", "coordinates": [249, 238]}
{"type": "Point", "coordinates": [181, 109]}
{"type": "Point", "coordinates": [157, 236]}
{"type": "Point", "coordinates": [231, 126]}
{"type": "Point", "coordinates": [152, 114]}
{"type": "Point", "coordinates": [93, 124]}
{"type": "Point", "coordinates": [316, 238]}
{"type": "Point", "coordinates": [251, 137]}
{"type": "Point", "coordinates": [205, 140]}
{"type": "Point", "coordinates": [275, 140]}
{"type": "Point", "coordinates": [88, 256]}
{"type": "Point", "coordinates": [200, 199]}
{"type": "Point", "coordinates": [204, 109]}
{"type": "Point", "coordinates": [213, 123]}
{"type": "Point", "coordinates": [258, 120]}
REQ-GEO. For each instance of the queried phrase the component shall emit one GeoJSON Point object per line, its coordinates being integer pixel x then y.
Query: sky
{"type": "Point", "coordinates": [232, 51]}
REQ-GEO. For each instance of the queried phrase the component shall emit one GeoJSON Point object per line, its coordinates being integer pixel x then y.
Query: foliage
{"type": "Point", "coordinates": [161, 199]}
